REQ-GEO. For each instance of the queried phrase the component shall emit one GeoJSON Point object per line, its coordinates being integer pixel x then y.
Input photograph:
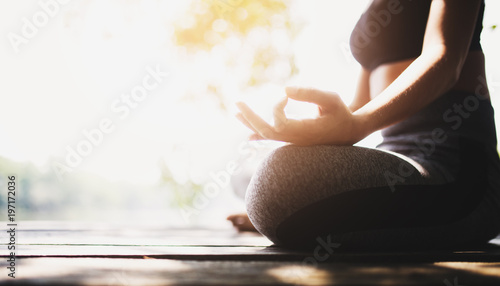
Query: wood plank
{"type": "Point", "coordinates": [172, 252]}
{"type": "Point", "coordinates": [248, 253]}
{"type": "Point", "coordinates": [64, 253]}
{"type": "Point", "coordinates": [119, 234]}
{"type": "Point", "coordinates": [103, 271]}
{"type": "Point", "coordinates": [63, 239]}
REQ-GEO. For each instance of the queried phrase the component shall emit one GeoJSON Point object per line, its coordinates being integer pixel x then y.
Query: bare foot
{"type": "Point", "coordinates": [241, 222]}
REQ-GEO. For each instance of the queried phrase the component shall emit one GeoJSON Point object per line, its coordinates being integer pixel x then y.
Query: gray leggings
{"type": "Point", "coordinates": [420, 196]}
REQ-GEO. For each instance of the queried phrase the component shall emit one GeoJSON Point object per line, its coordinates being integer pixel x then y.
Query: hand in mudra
{"type": "Point", "coordinates": [335, 124]}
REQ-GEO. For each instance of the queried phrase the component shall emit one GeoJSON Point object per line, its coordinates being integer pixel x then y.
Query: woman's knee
{"type": "Point", "coordinates": [290, 179]}
{"type": "Point", "coordinates": [269, 191]}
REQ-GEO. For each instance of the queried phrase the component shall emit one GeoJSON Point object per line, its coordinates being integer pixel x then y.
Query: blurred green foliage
{"type": "Point", "coordinates": [183, 193]}
{"type": "Point", "coordinates": [262, 32]}
{"type": "Point", "coordinates": [41, 195]}
{"type": "Point", "coordinates": [209, 23]}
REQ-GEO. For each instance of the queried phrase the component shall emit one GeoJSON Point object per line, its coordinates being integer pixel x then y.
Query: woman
{"type": "Point", "coordinates": [433, 182]}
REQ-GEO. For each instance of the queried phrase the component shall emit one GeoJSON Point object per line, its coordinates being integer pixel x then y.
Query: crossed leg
{"type": "Point", "coordinates": [362, 198]}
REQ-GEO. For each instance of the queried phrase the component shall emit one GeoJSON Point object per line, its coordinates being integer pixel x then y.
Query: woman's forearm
{"type": "Point", "coordinates": [429, 76]}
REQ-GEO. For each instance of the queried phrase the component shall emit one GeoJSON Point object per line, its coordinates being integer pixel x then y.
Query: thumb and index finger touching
{"type": "Point", "coordinates": [321, 98]}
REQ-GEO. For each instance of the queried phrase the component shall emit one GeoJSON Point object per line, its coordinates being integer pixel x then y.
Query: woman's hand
{"type": "Point", "coordinates": [334, 125]}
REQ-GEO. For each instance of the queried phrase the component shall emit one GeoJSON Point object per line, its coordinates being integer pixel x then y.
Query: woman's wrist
{"type": "Point", "coordinates": [362, 127]}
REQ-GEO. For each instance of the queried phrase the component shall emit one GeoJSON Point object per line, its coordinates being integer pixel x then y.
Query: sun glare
{"type": "Point", "coordinates": [142, 92]}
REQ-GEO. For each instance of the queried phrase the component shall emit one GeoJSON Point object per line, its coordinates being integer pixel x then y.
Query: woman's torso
{"type": "Point", "coordinates": [465, 111]}
{"type": "Point", "coordinates": [389, 37]}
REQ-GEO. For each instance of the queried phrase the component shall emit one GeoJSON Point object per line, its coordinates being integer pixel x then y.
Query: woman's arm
{"type": "Point", "coordinates": [362, 95]}
{"type": "Point", "coordinates": [446, 43]}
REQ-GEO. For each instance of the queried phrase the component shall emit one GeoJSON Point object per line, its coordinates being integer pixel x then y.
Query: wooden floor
{"type": "Point", "coordinates": [102, 254]}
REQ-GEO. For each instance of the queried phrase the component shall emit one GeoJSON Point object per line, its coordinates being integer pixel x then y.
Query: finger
{"type": "Point", "coordinates": [245, 122]}
{"type": "Point", "coordinates": [321, 98]}
{"type": "Point", "coordinates": [280, 119]}
{"type": "Point", "coordinates": [255, 137]}
{"type": "Point", "coordinates": [262, 127]}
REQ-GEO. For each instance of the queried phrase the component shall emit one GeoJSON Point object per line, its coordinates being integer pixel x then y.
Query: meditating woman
{"type": "Point", "coordinates": [433, 182]}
